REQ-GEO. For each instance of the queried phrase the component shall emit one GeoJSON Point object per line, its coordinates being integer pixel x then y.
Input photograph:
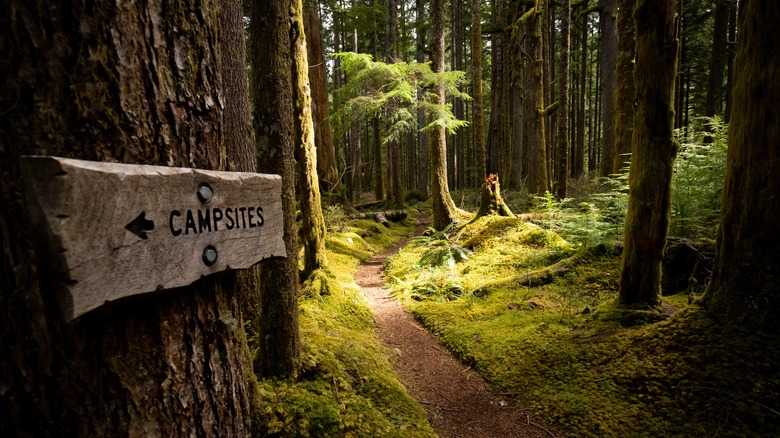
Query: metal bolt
{"type": "Point", "coordinates": [209, 255]}
{"type": "Point", "coordinates": [205, 193]}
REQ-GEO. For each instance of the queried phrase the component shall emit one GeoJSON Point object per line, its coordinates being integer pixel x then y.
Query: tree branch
{"type": "Point", "coordinates": [550, 110]}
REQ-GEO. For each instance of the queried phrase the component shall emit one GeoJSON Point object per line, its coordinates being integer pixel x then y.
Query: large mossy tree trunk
{"type": "Point", "coordinates": [495, 138]}
{"type": "Point", "coordinates": [444, 210]}
{"type": "Point", "coordinates": [272, 90]}
{"type": "Point", "coordinates": [132, 83]}
{"type": "Point", "coordinates": [745, 286]}
{"type": "Point", "coordinates": [653, 152]}
{"type": "Point", "coordinates": [312, 222]}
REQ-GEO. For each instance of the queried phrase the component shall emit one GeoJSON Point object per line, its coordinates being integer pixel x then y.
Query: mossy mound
{"type": "Point", "coordinates": [587, 365]}
{"type": "Point", "coordinates": [346, 387]}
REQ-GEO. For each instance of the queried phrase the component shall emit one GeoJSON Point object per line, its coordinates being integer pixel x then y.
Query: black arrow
{"type": "Point", "coordinates": [140, 225]}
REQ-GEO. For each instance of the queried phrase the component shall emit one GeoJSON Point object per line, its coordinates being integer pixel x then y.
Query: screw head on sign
{"type": "Point", "coordinates": [209, 255]}
{"type": "Point", "coordinates": [205, 193]}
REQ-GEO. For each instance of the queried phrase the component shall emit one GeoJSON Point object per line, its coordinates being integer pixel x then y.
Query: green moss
{"type": "Point", "coordinates": [346, 387]}
{"type": "Point", "coordinates": [588, 366]}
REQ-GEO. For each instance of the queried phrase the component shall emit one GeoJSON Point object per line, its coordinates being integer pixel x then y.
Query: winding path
{"type": "Point", "coordinates": [456, 398]}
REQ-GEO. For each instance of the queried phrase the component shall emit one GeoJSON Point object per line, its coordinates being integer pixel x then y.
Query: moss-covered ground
{"type": "Point", "coordinates": [537, 317]}
{"type": "Point", "coordinates": [347, 387]}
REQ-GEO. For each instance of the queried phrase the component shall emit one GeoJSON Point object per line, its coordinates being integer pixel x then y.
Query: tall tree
{"type": "Point", "coordinates": [312, 221]}
{"type": "Point", "coordinates": [745, 286]}
{"type": "Point", "coordinates": [272, 90]}
{"type": "Point", "coordinates": [95, 81]}
{"type": "Point", "coordinates": [422, 138]}
{"type": "Point", "coordinates": [653, 152]}
{"type": "Point", "coordinates": [495, 140]}
{"type": "Point", "coordinates": [714, 102]}
{"type": "Point", "coordinates": [327, 167]}
{"type": "Point", "coordinates": [395, 188]}
{"type": "Point", "coordinates": [444, 210]}
{"type": "Point", "coordinates": [624, 75]}
{"type": "Point", "coordinates": [536, 148]}
{"type": "Point", "coordinates": [609, 53]}
{"type": "Point", "coordinates": [563, 98]}
{"type": "Point", "coordinates": [476, 89]}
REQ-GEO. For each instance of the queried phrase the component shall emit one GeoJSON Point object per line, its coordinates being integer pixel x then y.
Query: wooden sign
{"type": "Point", "coordinates": [117, 230]}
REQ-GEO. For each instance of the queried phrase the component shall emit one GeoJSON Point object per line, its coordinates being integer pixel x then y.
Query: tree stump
{"type": "Point", "coordinates": [491, 202]}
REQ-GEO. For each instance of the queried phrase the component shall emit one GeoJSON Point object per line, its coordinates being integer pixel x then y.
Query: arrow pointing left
{"type": "Point", "coordinates": [140, 226]}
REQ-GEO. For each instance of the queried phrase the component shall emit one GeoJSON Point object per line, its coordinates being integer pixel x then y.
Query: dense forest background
{"type": "Point", "coordinates": [624, 281]}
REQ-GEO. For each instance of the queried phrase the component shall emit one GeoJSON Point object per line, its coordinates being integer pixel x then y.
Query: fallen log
{"type": "Point", "coordinates": [383, 217]}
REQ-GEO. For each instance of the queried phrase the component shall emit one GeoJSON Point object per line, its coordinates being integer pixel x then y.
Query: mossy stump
{"type": "Point", "coordinates": [491, 202]}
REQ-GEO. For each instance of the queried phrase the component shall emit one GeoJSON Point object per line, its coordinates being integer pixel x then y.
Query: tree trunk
{"type": "Point", "coordinates": [395, 182]}
{"type": "Point", "coordinates": [563, 98]}
{"type": "Point", "coordinates": [578, 163]}
{"type": "Point", "coordinates": [443, 207]}
{"type": "Point", "coordinates": [714, 103]}
{"type": "Point", "coordinates": [272, 89]}
{"type": "Point", "coordinates": [422, 138]}
{"type": "Point", "coordinates": [495, 131]}
{"type": "Point", "coordinates": [133, 87]}
{"type": "Point", "coordinates": [312, 223]}
{"type": "Point", "coordinates": [491, 202]}
{"type": "Point", "coordinates": [327, 167]}
{"type": "Point", "coordinates": [476, 92]}
{"type": "Point", "coordinates": [730, 59]}
{"type": "Point", "coordinates": [653, 152]}
{"type": "Point", "coordinates": [624, 116]}
{"type": "Point", "coordinates": [745, 284]}
{"type": "Point", "coordinates": [537, 157]}
{"type": "Point", "coordinates": [609, 52]}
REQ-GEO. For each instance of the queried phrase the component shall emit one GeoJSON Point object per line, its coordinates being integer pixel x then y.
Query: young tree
{"type": "Point", "coordinates": [746, 282]}
{"type": "Point", "coordinates": [444, 210]}
{"type": "Point", "coordinates": [272, 90]}
{"type": "Point", "coordinates": [98, 82]}
{"type": "Point", "coordinates": [653, 152]}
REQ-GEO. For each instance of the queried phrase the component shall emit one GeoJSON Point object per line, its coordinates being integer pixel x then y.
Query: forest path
{"type": "Point", "coordinates": [457, 400]}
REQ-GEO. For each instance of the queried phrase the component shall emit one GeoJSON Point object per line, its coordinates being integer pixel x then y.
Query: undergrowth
{"type": "Point", "coordinates": [346, 387]}
{"type": "Point", "coordinates": [537, 317]}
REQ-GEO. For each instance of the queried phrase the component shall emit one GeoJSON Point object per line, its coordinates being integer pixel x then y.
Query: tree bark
{"type": "Point", "coordinates": [443, 207]}
{"type": "Point", "coordinates": [563, 98]}
{"type": "Point", "coordinates": [272, 89]}
{"type": "Point", "coordinates": [653, 152]}
{"type": "Point", "coordinates": [327, 167]}
{"type": "Point", "coordinates": [476, 78]}
{"type": "Point", "coordinates": [609, 53]}
{"type": "Point", "coordinates": [537, 154]}
{"type": "Point", "coordinates": [714, 103]}
{"type": "Point", "coordinates": [624, 115]}
{"type": "Point", "coordinates": [422, 138]}
{"type": "Point", "coordinates": [129, 85]}
{"type": "Point", "coordinates": [745, 284]}
{"type": "Point", "coordinates": [312, 223]}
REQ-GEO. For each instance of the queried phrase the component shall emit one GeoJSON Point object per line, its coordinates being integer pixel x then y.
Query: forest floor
{"type": "Point", "coordinates": [458, 400]}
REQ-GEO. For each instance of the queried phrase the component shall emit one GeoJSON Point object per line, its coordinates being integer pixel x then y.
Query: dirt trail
{"type": "Point", "coordinates": [456, 398]}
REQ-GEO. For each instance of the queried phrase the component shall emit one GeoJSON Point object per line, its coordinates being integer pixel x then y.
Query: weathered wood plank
{"type": "Point", "coordinates": [116, 230]}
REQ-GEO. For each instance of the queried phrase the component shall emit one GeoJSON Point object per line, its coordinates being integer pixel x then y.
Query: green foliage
{"type": "Point", "coordinates": [393, 92]}
{"type": "Point", "coordinates": [697, 183]}
{"type": "Point", "coordinates": [335, 219]}
{"type": "Point", "coordinates": [347, 386]}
